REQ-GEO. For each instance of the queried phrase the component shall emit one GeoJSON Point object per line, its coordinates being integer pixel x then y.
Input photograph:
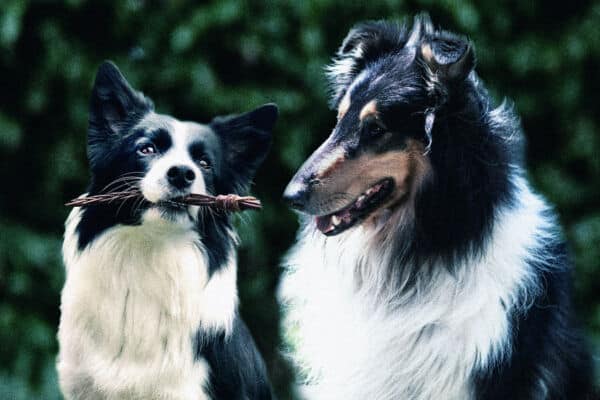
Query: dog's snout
{"type": "Point", "coordinates": [307, 185]}
{"type": "Point", "coordinates": [296, 195]}
{"type": "Point", "coordinates": [181, 176]}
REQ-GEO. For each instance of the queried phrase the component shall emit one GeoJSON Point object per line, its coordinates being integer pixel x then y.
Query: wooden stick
{"type": "Point", "coordinates": [223, 202]}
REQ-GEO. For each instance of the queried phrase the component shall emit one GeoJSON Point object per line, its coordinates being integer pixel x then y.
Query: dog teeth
{"type": "Point", "coordinates": [335, 220]}
{"type": "Point", "coordinates": [360, 201]}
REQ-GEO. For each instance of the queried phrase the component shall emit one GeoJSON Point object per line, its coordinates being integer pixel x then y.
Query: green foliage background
{"type": "Point", "coordinates": [199, 60]}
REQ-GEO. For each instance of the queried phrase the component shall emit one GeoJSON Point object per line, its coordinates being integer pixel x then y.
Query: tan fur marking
{"type": "Point", "coordinates": [426, 52]}
{"type": "Point", "coordinates": [330, 164]}
{"type": "Point", "coordinates": [408, 167]}
{"type": "Point", "coordinates": [369, 109]}
{"type": "Point", "coordinates": [344, 106]}
{"type": "Point", "coordinates": [331, 168]}
{"type": "Point", "coordinates": [402, 205]}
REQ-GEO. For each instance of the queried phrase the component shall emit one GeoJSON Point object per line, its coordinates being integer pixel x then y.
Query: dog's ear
{"type": "Point", "coordinates": [246, 140]}
{"type": "Point", "coordinates": [448, 57]}
{"type": "Point", "coordinates": [114, 104]}
{"type": "Point", "coordinates": [447, 60]}
{"type": "Point", "coordinates": [364, 42]}
{"type": "Point", "coordinates": [422, 27]}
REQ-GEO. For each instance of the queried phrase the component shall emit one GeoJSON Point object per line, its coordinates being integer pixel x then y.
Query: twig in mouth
{"type": "Point", "coordinates": [225, 202]}
{"type": "Point", "coordinates": [222, 202]}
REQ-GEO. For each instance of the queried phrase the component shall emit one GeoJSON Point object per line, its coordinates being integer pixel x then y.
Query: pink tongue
{"type": "Point", "coordinates": [324, 224]}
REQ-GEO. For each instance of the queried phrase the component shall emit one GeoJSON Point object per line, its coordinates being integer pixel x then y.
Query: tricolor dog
{"type": "Point", "coordinates": [150, 308]}
{"type": "Point", "coordinates": [426, 267]}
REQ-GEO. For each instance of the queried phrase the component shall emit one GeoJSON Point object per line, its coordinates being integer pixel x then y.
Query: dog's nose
{"type": "Point", "coordinates": [181, 176]}
{"type": "Point", "coordinates": [296, 195]}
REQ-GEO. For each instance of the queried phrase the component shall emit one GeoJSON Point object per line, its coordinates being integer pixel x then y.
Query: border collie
{"type": "Point", "coordinates": [426, 267]}
{"type": "Point", "coordinates": [149, 306]}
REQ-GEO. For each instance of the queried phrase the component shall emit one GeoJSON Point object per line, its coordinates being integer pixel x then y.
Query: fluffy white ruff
{"type": "Point", "coordinates": [356, 337]}
{"type": "Point", "coordinates": [132, 302]}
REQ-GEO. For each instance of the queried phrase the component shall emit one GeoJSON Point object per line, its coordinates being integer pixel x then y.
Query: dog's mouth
{"type": "Point", "coordinates": [358, 210]}
{"type": "Point", "coordinates": [172, 206]}
{"type": "Point", "coordinates": [172, 203]}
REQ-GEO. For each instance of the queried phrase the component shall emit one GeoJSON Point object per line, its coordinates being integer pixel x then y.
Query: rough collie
{"type": "Point", "coordinates": [426, 267]}
{"type": "Point", "coordinates": [149, 306]}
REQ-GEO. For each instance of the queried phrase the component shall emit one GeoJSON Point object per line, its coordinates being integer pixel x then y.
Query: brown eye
{"type": "Point", "coordinates": [373, 129]}
{"type": "Point", "coordinates": [147, 149]}
{"type": "Point", "coordinates": [376, 130]}
{"type": "Point", "coordinates": [204, 163]}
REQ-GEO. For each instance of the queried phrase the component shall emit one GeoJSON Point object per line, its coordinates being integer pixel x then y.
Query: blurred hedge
{"type": "Point", "coordinates": [196, 61]}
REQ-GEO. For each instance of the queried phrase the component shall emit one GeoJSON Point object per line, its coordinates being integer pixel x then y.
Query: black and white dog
{"type": "Point", "coordinates": [426, 267]}
{"type": "Point", "coordinates": [149, 306]}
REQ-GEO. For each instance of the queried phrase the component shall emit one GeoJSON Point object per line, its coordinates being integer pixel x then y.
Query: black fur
{"type": "Point", "coordinates": [217, 240]}
{"type": "Point", "coordinates": [234, 146]}
{"type": "Point", "coordinates": [548, 359]}
{"type": "Point", "coordinates": [115, 108]}
{"type": "Point", "coordinates": [474, 155]}
{"type": "Point", "coordinates": [224, 355]}
{"type": "Point", "coordinates": [426, 89]}
{"type": "Point", "coordinates": [246, 141]}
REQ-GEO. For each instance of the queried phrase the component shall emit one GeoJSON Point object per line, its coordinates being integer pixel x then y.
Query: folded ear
{"type": "Point", "coordinates": [364, 42]}
{"type": "Point", "coordinates": [246, 140]}
{"type": "Point", "coordinates": [114, 105]}
{"type": "Point", "coordinates": [448, 57]}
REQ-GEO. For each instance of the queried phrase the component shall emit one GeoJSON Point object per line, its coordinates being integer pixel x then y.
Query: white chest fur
{"type": "Point", "coordinates": [132, 301]}
{"type": "Point", "coordinates": [366, 343]}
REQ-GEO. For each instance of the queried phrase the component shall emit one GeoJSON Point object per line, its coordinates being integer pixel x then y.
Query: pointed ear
{"type": "Point", "coordinates": [114, 104]}
{"type": "Point", "coordinates": [448, 57]}
{"type": "Point", "coordinates": [246, 140]}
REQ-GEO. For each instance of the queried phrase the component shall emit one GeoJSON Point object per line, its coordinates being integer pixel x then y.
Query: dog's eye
{"type": "Point", "coordinates": [147, 149]}
{"type": "Point", "coordinates": [204, 163]}
{"type": "Point", "coordinates": [373, 129]}
{"type": "Point", "coordinates": [376, 130]}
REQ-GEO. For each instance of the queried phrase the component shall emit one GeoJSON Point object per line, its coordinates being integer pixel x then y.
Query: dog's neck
{"type": "Point", "coordinates": [356, 313]}
{"type": "Point", "coordinates": [150, 254]}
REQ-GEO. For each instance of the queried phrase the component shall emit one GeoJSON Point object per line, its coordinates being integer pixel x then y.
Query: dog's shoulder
{"type": "Point", "coordinates": [548, 357]}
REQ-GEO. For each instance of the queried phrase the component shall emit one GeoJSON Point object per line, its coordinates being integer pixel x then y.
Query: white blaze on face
{"type": "Point", "coordinates": [155, 185]}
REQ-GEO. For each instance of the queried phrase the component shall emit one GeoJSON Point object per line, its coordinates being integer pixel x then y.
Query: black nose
{"type": "Point", "coordinates": [181, 176]}
{"type": "Point", "coordinates": [296, 195]}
